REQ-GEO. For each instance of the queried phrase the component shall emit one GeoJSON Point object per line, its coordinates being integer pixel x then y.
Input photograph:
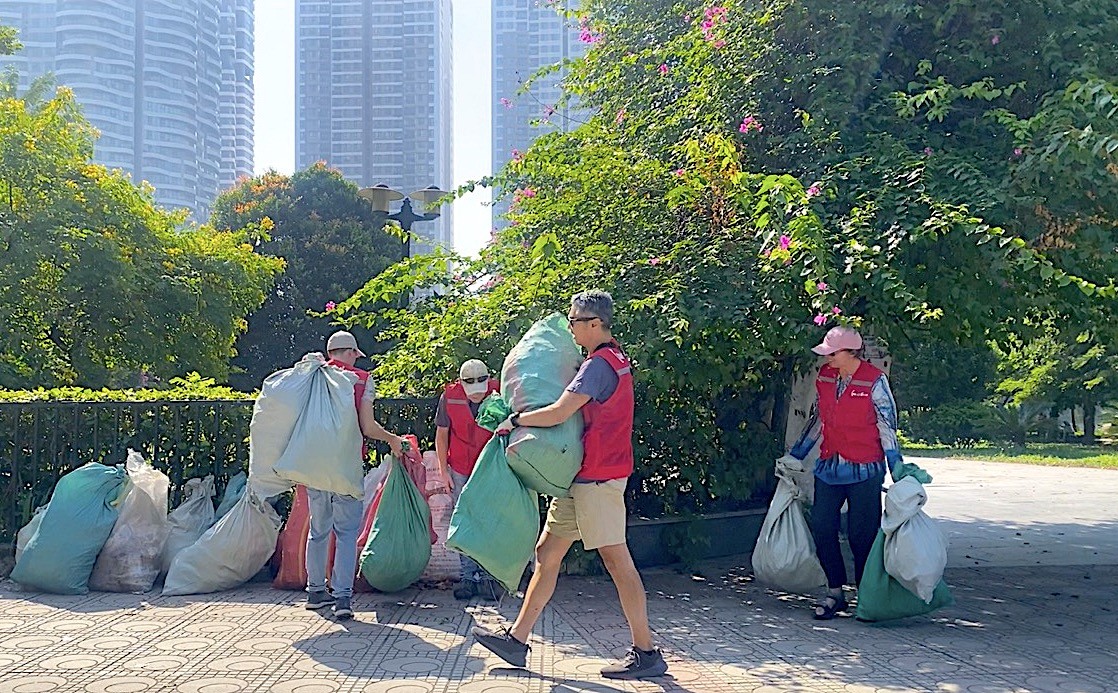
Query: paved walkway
{"type": "Point", "coordinates": [1047, 627]}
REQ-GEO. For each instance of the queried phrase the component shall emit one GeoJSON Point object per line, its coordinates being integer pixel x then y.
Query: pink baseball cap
{"type": "Point", "coordinates": [837, 339]}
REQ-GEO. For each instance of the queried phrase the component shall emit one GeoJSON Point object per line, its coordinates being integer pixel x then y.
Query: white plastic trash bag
{"type": "Point", "coordinates": [785, 553]}
{"type": "Point", "coordinates": [372, 481]}
{"type": "Point", "coordinates": [131, 558]}
{"type": "Point", "coordinates": [190, 520]}
{"type": "Point", "coordinates": [229, 553]}
{"type": "Point", "coordinates": [915, 549]}
{"type": "Point", "coordinates": [322, 450]}
{"type": "Point", "coordinates": [24, 535]}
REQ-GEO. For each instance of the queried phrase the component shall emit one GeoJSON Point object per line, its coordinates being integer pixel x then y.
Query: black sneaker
{"type": "Point", "coordinates": [503, 645]}
{"type": "Point", "coordinates": [342, 609]}
{"type": "Point", "coordinates": [465, 589]}
{"type": "Point", "coordinates": [637, 665]}
{"type": "Point", "coordinates": [317, 600]}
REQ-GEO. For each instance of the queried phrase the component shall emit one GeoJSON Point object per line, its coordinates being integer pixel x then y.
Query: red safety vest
{"type": "Point", "coordinates": [466, 437]}
{"type": "Point", "coordinates": [358, 393]}
{"type": "Point", "coordinates": [850, 421]}
{"type": "Point", "coordinates": [607, 436]}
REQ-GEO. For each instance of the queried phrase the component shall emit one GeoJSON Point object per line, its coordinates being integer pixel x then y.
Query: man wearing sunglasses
{"type": "Point", "coordinates": [602, 391]}
{"type": "Point", "coordinates": [458, 444]}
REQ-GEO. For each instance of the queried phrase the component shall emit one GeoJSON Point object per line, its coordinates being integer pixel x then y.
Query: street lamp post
{"type": "Point", "coordinates": [380, 196]}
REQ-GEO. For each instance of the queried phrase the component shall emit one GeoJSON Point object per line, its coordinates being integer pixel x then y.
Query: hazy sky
{"type": "Point", "coordinates": [275, 104]}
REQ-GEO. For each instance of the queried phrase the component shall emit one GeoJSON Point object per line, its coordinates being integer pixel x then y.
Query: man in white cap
{"type": "Point", "coordinates": [856, 416]}
{"type": "Point", "coordinates": [333, 511]}
{"type": "Point", "coordinates": [458, 444]}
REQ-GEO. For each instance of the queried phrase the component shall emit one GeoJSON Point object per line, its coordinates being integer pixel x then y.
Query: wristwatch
{"type": "Point", "coordinates": [515, 419]}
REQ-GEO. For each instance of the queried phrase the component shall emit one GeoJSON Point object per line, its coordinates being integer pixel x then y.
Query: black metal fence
{"type": "Point", "coordinates": [41, 441]}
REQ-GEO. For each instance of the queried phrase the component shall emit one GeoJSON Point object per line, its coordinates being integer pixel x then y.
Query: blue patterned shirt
{"type": "Point", "coordinates": [837, 471]}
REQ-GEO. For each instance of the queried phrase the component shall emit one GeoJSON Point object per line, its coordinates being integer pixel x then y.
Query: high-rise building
{"type": "Point", "coordinates": [373, 95]}
{"type": "Point", "coordinates": [168, 83]}
{"type": "Point", "coordinates": [527, 35]}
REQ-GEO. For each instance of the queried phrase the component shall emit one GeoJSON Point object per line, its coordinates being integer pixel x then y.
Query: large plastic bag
{"type": "Point", "coordinates": [497, 518]}
{"type": "Point", "coordinates": [444, 563]}
{"type": "Point", "coordinates": [229, 553]}
{"type": "Point", "coordinates": [399, 541]}
{"type": "Point", "coordinates": [915, 549]}
{"type": "Point", "coordinates": [81, 513]}
{"type": "Point", "coordinates": [785, 552]}
{"type": "Point", "coordinates": [882, 598]}
{"type": "Point", "coordinates": [130, 559]}
{"type": "Point", "coordinates": [323, 449]}
{"type": "Point", "coordinates": [27, 531]}
{"type": "Point", "coordinates": [233, 492]}
{"type": "Point", "coordinates": [535, 373]}
{"type": "Point", "coordinates": [190, 520]}
{"type": "Point", "coordinates": [283, 396]}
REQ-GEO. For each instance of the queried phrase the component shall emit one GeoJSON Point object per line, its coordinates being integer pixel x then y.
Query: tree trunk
{"type": "Point", "coordinates": [1088, 421]}
{"type": "Point", "coordinates": [1074, 428]}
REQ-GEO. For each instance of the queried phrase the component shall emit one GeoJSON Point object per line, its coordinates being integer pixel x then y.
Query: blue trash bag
{"type": "Point", "coordinates": [233, 492]}
{"type": "Point", "coordinates": [60, 555]}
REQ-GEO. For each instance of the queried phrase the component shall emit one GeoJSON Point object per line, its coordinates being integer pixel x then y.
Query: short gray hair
{"type": "Point", "coordinates": [594, 303]}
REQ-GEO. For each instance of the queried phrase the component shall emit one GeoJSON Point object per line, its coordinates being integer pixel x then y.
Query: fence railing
{"type": "Point", "coordinates": [41, 441]}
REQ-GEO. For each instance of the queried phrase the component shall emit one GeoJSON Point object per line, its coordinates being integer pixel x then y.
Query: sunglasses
{"type": "Point", "coordinates": [479, 379]}
{"type": "Point", "coordinates": [571, 321]}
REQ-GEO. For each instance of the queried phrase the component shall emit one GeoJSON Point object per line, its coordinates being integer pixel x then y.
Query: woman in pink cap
{"type": "Point", "coordinates": [856, 416]}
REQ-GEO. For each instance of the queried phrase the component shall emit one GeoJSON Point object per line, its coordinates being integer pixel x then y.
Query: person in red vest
{"type": "Point", "coordinates": [856, 416]}
{"type": "Point", "coordinates": [458, 443]}
{"type": "Point", "coordinates": [595, 512]}
{"type": "Point", "coordinates": [335, 512]}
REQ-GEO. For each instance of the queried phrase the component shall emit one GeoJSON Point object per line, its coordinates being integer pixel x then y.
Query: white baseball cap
{"type": "Point", "coordinates": [342, 340]}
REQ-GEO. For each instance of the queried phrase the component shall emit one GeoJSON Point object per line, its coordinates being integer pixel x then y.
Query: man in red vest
{"type": "Point", "coordinates": [335, 512]}
{"type": "Point", "coordinates": [856, 417]}
{"type": "Point", "coordinates": [595, 513]}
{"type": "Point", "coordinates": [458, 443]}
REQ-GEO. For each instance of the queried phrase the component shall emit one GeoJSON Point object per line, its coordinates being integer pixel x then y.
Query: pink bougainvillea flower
{"type": "Point", "coordinates": [330, 305]}
{"type": "Point", "coordinates": [836, 310]}
{"type": "Point", "coordinates": [785, 242]}
{"type": "Point", "coordinates": [927, 151]}
{"type": "Point", "coordinates": [506, 103]}
{"type": "Point", "coordinates": [819, 319]}
{"type": "Point", "coordinates": [679, 172]}
{"type": "Point", "coordinates": [663, 69]}
{"type": "Point", "coordinates": [749, 123]}
{"type": "Point", "coordinates": [814, 190]}
{"type": "Point", "coordinates": [719, 44]}
{"type": "Point", "coordinates": [1017, 151]}
{"type": "Point", "coordinates": [822, 286]}
{"type": "Point", "coordinates": [995, 40]}
{"type": "Point", "coordinates": [517, 156]}
{"type": "Point", "coordinates": [654, 261]}
{"type": "Point", "coordinates": [528, 192]}
{"type": "Point", "coordinates": [620, 116]}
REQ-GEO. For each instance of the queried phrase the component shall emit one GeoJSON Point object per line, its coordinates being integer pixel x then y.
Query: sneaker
{"type": "Point", "coordinates": [637, 665]}
{"type": "Point", "coordinates": [342, 609]}
{"type": "Point", "coordinates": [502, 644]}
{"type": "Point", "coordinates": [317, 600]}
{"type": "Point", "coordinates": [465, 589]}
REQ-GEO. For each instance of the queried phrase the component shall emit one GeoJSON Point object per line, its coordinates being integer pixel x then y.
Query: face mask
{"type": "Point", "coordinates": [475, 386]}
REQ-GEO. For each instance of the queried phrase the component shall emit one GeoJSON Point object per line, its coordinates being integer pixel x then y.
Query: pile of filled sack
{"type": "Point", "coordinates": [107, 527]}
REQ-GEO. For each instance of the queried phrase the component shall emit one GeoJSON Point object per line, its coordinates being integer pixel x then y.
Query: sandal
{"type": "Point", "coordinates": [829, 608]}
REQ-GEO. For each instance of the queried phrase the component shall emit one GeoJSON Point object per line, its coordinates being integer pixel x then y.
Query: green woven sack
{"type": "Point", "coordinates": [497, 519]}
{"type": "Point", "coordinates": [535, 373]}
{"type": "Point", "coordinates": [882, 598]}
{"type": "Point", "coordinates": [399, 544]}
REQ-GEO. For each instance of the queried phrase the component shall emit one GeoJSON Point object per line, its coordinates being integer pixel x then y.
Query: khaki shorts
{"type": "Point", "coordinates": [595, 513]}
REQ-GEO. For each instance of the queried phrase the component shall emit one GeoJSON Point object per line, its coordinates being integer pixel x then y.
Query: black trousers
{"type": "Point", "coordinates": [863, 519]}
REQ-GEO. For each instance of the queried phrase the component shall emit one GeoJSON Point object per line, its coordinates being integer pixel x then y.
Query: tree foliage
{"type": "Point", "coordinates": [97, 283]}
{"type": "Point", "coordinates": [332, 244]}
{"type": "Point", "coordinates": [750, 173]}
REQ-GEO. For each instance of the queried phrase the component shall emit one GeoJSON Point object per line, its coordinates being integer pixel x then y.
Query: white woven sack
{"type": "Point", "coordinates": [323, 449]}
{"type": "Point", "coordinates": [229, 553]}
{"type": "Point", "coordinates": [785, 553]}
{"type": "Point", "coordinates": [915, 549]}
